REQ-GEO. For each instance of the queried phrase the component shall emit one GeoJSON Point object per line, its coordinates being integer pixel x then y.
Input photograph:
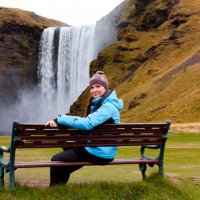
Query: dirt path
{"type": "Point", "coordinates": [186, 128]}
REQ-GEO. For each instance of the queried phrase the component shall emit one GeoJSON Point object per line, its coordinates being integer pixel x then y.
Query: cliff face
{"type": "Point", "coordinates": [154, 65]}
{"type": "Point", "coordinates": [20, 33]}
{"type": "Point", "coordinates": [19, 46]}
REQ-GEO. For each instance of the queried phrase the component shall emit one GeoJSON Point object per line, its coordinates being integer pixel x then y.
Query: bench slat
{"type": "Point", "coordinates": [57, 164]}
{"type": "Point", "coordinates": [83, 144]}
{"type": "Point", "coordinates": [90, 137]}
{"type": "Point", "coordinates": [74, 131]}
{"type": "Point", "coordinates": [103, 126]}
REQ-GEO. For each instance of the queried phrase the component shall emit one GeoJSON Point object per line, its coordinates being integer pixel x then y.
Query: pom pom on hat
{"type": "Point", "coordinates": [99, 78]}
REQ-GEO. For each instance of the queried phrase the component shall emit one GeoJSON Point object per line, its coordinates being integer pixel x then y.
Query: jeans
{"type": "Point", "coordinates": [60, 175]}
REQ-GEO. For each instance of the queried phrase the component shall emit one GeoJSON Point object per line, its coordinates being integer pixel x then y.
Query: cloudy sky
{"type": "Point", "coordinates": [73, 12]}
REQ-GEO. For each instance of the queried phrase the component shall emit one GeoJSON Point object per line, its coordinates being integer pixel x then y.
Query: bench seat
{"type": "Point", "coordinates": [59, 164]}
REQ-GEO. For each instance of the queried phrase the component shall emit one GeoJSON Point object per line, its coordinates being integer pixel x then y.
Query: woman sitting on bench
{"type": "Point", "coordinates": [103, 107]}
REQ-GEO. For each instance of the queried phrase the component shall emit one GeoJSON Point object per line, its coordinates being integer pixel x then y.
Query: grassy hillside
{"type": "Point", "coordinates": [19, 16]}
{"type": "Point", "coordinates": [154, 65]}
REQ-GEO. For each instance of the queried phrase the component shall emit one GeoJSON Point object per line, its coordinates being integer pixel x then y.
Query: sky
{"type": "Point", "coordinates": [72, 12]}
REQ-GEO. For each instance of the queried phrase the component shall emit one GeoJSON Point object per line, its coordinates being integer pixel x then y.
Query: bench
{"type": "Point", "coordinates": [145, 135]}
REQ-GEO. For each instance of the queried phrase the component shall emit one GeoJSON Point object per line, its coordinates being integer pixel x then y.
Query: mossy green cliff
{"type": "Point", "coordinates": [154, 65]}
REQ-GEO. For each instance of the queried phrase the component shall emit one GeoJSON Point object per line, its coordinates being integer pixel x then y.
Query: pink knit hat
{"type": "Point", "coordinates": [99, 78]}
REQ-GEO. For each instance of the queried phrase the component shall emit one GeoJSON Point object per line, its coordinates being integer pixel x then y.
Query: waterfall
{"type": "Point", "coordinates": [63, 70]}
{"type": "Point", "coordinates": [47, 64]}
{"type": "Point", "coordinates": [65, 56]}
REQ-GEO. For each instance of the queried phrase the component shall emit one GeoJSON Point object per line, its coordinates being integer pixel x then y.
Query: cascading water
{"type": "Point", "coordinates": [47, 65]}
{"type": "Point", "coordinates": [65, 74]}
{"type": "Point", "coordinates": [64, 69]}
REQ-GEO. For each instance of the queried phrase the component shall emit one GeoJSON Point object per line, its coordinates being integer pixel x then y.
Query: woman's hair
{"type": "Point", "coordinates": [88, 105]}
{"type": "Point", "coordinates": [99, 78]}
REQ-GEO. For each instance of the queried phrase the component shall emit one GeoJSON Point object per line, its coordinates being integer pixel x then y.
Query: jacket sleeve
{"type": "Point", "coordinates": [104, 113]}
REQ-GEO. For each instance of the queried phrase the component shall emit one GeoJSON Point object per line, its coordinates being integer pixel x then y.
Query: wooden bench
{"type": "Point", "coordinates": [146, 135]}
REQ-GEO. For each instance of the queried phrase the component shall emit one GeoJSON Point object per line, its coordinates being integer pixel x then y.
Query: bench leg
{"type": "Point", "coordinates": [161, 169]}
{"type": "Point", "coordinates": [143, 168]}
{"type": "Point", "coordinates": [1, 176]}
{"type": "Point", "coordinates": [12, 179]}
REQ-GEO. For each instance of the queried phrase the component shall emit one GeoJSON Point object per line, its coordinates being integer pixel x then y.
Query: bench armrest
{"type": "Point", "coordinates": [152, 146]}
{"type": "Point", "coordinates": [3, 162]}
{"type": "Point", "coordinates": [4, 149]}
{"type": "Point", "coordinates": [142, 151]}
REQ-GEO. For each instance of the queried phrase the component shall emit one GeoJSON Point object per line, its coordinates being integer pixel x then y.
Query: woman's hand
{"type": "Point", "coordinates": [51, 124]}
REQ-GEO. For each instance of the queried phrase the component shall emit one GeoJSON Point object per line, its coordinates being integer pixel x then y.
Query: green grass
{"type": "Point", "coordinates": [115, 182]}
{"type": "Point", "coordinates": [153, 188]}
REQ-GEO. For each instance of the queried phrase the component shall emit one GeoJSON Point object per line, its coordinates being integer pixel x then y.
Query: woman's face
{"type": "Point", "coordinates": [97, 90]}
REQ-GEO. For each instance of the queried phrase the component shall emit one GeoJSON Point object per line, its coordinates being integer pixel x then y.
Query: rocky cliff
{"type": "Point", "coordinates": [154, 65]}
{"type": "Point", "coordinates": [20, 33]}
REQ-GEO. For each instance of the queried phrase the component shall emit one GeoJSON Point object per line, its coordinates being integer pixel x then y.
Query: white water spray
{"type": "Point", "coordinates": [64, 70]}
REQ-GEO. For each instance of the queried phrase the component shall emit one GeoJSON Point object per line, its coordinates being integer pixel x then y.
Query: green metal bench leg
{"type": "Point", "coordinates": [143, 168]}
{"type": "Point", "coordinates": [12, 180]}
{"type": "Point", "coordinates": [161, 169]}
{"type": "Point", "coordinates": [1, 176]}
{"type": "Point", "coordinates": [12, 177]}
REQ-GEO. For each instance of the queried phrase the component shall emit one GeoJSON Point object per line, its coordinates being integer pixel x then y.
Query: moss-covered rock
{"type": "Point", "coordinates": [20, 33]}
{"type": "Point", "coordinates": [154, 65]}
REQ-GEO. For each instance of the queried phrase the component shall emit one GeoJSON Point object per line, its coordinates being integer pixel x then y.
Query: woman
{"type": "Point", "coordinates": [104, 107]}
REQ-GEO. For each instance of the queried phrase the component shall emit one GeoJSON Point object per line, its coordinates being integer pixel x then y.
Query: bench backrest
{"type": "Point", "coordinates": [124, 134]}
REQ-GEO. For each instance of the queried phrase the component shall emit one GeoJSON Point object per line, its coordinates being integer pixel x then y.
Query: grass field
{"type": "Point", "coordinates": [182, 174]}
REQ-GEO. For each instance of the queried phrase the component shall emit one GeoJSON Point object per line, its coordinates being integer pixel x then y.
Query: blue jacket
{"type": "Point", "coordinates": [109, 109]}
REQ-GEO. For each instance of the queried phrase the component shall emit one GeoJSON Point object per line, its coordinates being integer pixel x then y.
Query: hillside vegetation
{"type": "Point", "coordinates": [19, 16]}
{"type": "Point", "coordinates": [154, 65]}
